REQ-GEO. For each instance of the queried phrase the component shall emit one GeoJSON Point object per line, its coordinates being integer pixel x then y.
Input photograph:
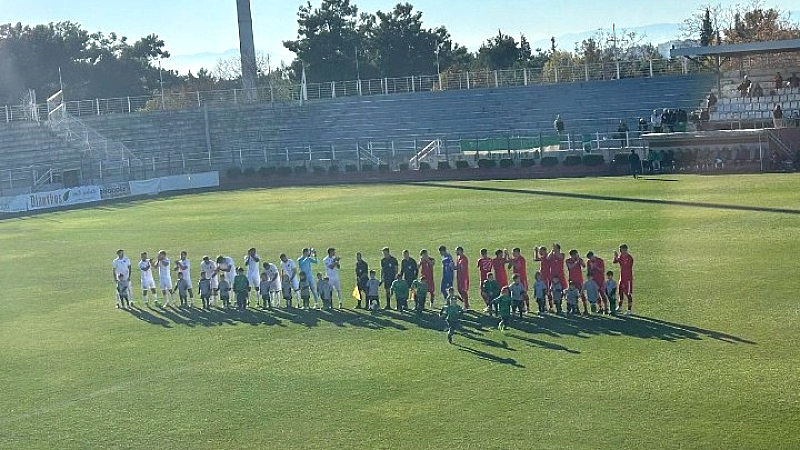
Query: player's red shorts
{"type": "Point", "coordinates": [625, 287]}
{"type": "Point", "coordinates": [578, 284]}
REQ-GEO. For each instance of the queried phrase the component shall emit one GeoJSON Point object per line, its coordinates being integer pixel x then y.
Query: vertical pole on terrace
{"type": "Point", "coordinates": [333, 89]}
{"type": "Point", "coordinates": [555, 69]}
{"type": "Point", "coordinates": [467, 80]}
{"type": "Point", "coordinates": [235, 98]}
{"type": "Point", "coordinates": [525, 76]}
{"type": "Point", "coordinates": [651, 68]}
{"type": "Point", "coordinates": [199, 105]}
{"type": "Point", "coordinates": [333, 152]}
{"type": "Point", "coordinates": [386, 86]}
{"type": "Point", "coordinates": [287, 154]}
{"type": "Point", "coordinates": [8, 118]}
{"type": "Point", "coordinates": [247, 48]}
{"type": "Point", "coordinates": [618, 71]}
{"type": "Point", "coordinates": [496, 80]}
{"type": "Point", "coordinates": [265, 156]}
{"type": "Point", "coordinates": [129, 104]}
{"type": "Point", "coordinates": [309, 154]}
{"type": "Point", "coordinates": [100, 166]}
{"type": "Point", "coordinates": [97, 105]}
{"type": "Point", "coordinates": [358, 156]}
{"type": "Point", "coordinates": [413, 86]}
{"type": "Point", "coordinates": [586, 71]}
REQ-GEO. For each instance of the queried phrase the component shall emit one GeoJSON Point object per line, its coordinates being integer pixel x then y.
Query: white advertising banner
{"type": "Point", "coordinates": [113, 191]}
{"type": "Point", "coordinates": [192, 181]}
{"type": "Point", "coordinates": [13, 204]}
{"type": "Point", "coordinates": [144, 187]}
{"type": "Point", "coordinates": [63, 197]}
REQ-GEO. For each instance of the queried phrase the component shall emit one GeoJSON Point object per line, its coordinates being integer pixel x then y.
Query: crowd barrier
{"type": "Point", "coordinates": [67, 197]}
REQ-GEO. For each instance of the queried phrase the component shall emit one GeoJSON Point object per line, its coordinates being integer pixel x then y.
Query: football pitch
{"type": "Point", "coordinates": [708, 360]}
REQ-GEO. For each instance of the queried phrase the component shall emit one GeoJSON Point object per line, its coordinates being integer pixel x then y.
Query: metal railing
{"type": "Point", "coordinates": [286, 92]}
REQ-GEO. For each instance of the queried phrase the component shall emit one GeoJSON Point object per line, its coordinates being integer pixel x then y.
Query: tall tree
{"type": "Point", "coordinates": [499, 52]}
{"type": "Point", "coordinates": [328, 41]}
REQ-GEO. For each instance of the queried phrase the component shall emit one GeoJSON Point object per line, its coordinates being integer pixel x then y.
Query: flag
{"type": "Point", "coordinates": [356, 293]}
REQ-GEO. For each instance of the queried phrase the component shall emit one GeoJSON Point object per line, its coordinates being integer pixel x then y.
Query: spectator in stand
{"type": "Point", "coordinates": [744, 86]}
{"type": "Point", "coordinates": [778, 81]}
{"type": "Point", "coordinates": [558, 124]}
{"type": "Point", "coordinates": [655, 121]}
{"type": "Point", "coordinates": [795, 118]}
{"type": "Point", "coordinates": [642, 125]}
{"type": "Point", "coordinates": [711, 101]}
{"type": "Point", "coordinates": [794, 81]}
{"type": "Point", "coordinates": [756, 90]}
{"type": "Point", "coordinates": [777, 116]}
{"type": "Point", "coordinates": [622, 133]}
{"type": "Point", "coordinates": [654, 158]}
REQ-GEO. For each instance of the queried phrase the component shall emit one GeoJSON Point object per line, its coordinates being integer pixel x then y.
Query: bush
{"type": "Point", "coordinates": [461, 164]}
{"type": "Point", "coordinates": [403, 166]}
{"type": "Point", "coordinates": [487, 163]}
{"type": "Point", "coordinates": [266, 172]}
{"type": "Point", "coordinates": [424, 166]}
{"type": "Point", "coordinates": [300, 170]}
{"type": "Point", "coordinates": [318, 170]}
{"type": "Point", "coordinates": [234, 173]}
{"type": "Point", "coordinates": [593, 160]}
{"type": "Point", "coordinates": [621, 159]}
{"type": "Point", "coordinates": [250, 172]}
{"type": "Point", "coordinates": [333, 168]}
{"type": "Point", "coordinates": [351, 168]}
{"type": "Point", "coordinates": [367, 167]}
{"type": "Point", "coordinates": [443, 165]}
{"type": "Point", "coordinates": [549, 161]}
{"type": "Point", "coordinates": [283, 171]}
{"type": "Point", "coordinates": [527, 162]}
{"type": "Point", "coordinates": [506, 163]}
{"type": "Point", "coordinates": [572, 161]}
{"type": "Point", "coordinates": [384, 168]}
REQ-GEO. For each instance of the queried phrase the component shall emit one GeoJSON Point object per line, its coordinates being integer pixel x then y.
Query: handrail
{"type": "Point", "coordinates": [433, 147]}
{"type": "Point", "coordinates": [446, 81]}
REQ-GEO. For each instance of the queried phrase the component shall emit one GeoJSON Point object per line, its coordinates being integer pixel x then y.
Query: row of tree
{"type": "Point", "coordinates": [334, 42]}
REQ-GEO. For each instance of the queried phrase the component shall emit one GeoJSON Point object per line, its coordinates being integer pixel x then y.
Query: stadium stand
{"type": "Point", "coordinates": [389, 128]}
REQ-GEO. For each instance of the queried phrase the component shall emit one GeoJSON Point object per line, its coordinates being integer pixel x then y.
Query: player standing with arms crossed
{"type": "Point", "coordinates": [485, 268]}
{"type": "Point", "coordinates": [389, 268]}
{"type": "Point", "coordinates": [596, 269]}
{"type": "Point", "coordinates": [625, 261]}
{"type": "Point", "coordinates": [544, 271]}
{"type": "Point", "coordinates": [575, 267]}
{"type": "Point", "coordinates": [121, 266]}
{"type": "Point", "coordinates": [304, 262]}
{"type": "Point", "coordinates": [426, 264]}
{"type": "Point", "coordinates": [448, 271]}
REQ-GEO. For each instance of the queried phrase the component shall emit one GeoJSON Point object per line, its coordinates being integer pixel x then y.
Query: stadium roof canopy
{"type": "Point", "coordinates": [738, 50]}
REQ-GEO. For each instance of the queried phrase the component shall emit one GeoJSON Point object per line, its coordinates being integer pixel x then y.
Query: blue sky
{"type": "Point", "coordinates": [210, 25]}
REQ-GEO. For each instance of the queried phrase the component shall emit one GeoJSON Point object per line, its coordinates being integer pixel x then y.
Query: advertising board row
{"type": "Point", "coordinates": [61, 198]}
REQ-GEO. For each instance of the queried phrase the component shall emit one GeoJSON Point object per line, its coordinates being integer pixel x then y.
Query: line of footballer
{"type": "Point", "coordinates": [402, 279]}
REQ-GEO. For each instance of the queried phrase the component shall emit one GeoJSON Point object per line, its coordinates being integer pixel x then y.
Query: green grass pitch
{"type": "Point", "coordinates": [708, 361]}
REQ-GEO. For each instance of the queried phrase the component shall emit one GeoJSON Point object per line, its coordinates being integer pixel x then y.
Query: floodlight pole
{"type": "Point", "coordinates": [247, 49]}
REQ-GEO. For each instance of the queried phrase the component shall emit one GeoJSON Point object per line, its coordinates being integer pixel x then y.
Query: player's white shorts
{"type": "Point", "coordinates": [214, 283]}
{"type": "Point", "coordinates": [148, 283]}
{"type": "Point", "coordinates": [295, 284]}
{"type": "Point", "coordinates": [165, 283]}
{"type": "Point", "coordinates": [275, 286]}
{"type": "Point", "coordinates": [254, 280]}
{"type": "Point", "coordinates": [336, 284]}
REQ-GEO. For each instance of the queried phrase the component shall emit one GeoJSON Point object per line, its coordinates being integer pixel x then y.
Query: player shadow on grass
{"type": "Point", "coordinates": [489, 357]}
{"type": "Point", "coordinates": [634, 326]}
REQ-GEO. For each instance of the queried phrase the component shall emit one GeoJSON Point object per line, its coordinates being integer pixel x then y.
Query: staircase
{"type": "Point", "coordinates": [75, 132]}
{"type": "Point", "coordinates": [430, 151]}
{"type": "Point", "coordinates": [785, 140]}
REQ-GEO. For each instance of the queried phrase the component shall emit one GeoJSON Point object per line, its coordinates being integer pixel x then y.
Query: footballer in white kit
{"type": "Point", "coordinates": [164, 276]}
{"type": "Point", "coordinates": [146, 272]}
{"type": "Point", "coordinates": [121, 266]}
{"type": "Point", "coordinates": [226, 265]}
{"type": "Point", "coordinates": [331, 263]}
{"type": "Point", "coordinates": [209, 268]}
{"type": "Point", "coordinates": [275, 285]}
{"type": "Point", "coordinates": [289, 269]}
{"type": "Point", "coordinates": [184, 266]}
